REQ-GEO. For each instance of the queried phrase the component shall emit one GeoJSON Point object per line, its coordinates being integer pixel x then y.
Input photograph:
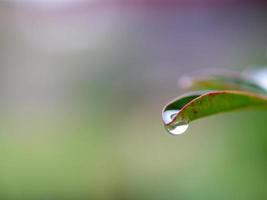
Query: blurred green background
{"type": "Point", "coordinates": [82, 85]}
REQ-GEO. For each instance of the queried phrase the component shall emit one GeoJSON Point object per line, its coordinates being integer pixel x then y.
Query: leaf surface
{"type": "Point", "coordinates": [196, 105]}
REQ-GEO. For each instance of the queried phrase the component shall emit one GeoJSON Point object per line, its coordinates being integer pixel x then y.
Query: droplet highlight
{"type": "Point", "coordinates": [169, 115]}
{"type": "Point", "coordinates": [178, 129]}
{"type": "Point", "coordinates": [260, 77]}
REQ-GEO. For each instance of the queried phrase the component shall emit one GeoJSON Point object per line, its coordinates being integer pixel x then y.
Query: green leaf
{"type": "Point", "coordinates": [201, 104]}
{"type": "Point", "coordinates": [226, 92]}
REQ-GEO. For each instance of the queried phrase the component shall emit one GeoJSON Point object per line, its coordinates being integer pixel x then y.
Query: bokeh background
{"type": "Point", "coordinates": [82, 85]}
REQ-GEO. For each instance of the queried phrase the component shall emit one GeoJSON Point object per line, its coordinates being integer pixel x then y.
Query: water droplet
{"type": "Point", "coordinates": [178, 128]}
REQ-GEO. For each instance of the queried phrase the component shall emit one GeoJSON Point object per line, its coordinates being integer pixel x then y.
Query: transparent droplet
{"type": "Point", "coordinates": [177, 129]}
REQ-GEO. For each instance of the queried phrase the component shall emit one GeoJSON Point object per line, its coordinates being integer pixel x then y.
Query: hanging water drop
{"type": "Point", "coordinates": [177, 129]}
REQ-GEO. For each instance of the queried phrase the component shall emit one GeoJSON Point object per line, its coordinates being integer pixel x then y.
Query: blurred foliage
{"type": "Point", "coordinates": [81, 93]}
